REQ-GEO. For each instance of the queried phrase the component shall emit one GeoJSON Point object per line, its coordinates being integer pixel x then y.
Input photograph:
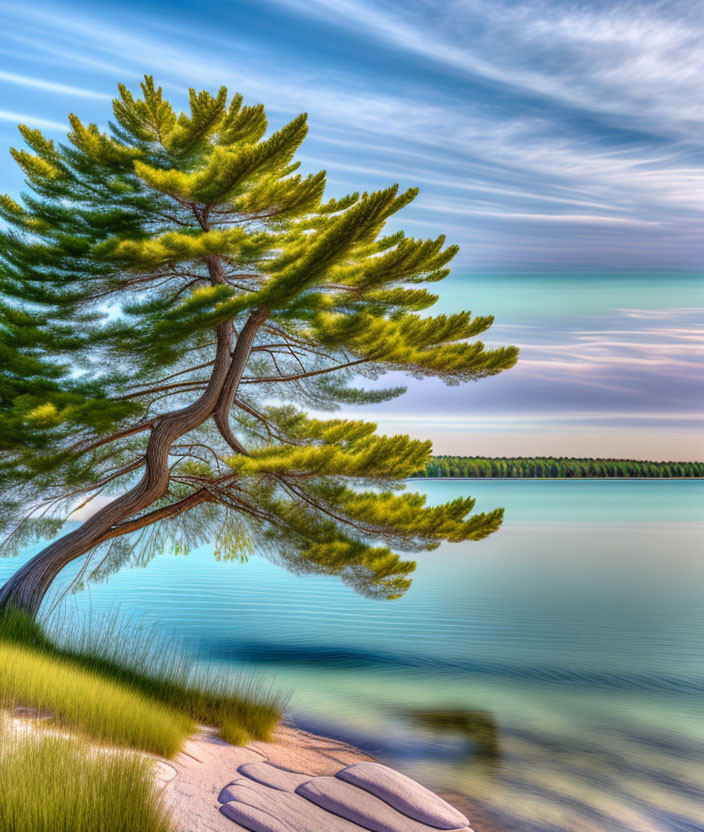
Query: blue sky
{"type": "Point", "coordinates": [559, 143]}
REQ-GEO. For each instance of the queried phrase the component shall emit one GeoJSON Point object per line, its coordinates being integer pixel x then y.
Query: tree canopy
{"type": "Point", "coordinates": [179, 307]}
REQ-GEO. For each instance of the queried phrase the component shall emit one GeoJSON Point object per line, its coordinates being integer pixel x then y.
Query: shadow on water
{"type": "Point", "coordinates": [321, 655]}
{"type": "Point", "coordinates": [477, 728]}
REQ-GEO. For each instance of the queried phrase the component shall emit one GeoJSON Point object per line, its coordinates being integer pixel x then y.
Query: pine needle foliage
{"type": "Point", "coordinates": [176, 282]}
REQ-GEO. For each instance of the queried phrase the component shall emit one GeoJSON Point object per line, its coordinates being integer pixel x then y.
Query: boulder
{"type": "Point", "coordinates": [404, 794]}
{"type": "Point", "coordinates": [261, 809]}
{"type": "Point", "coordinates": [273, 776]}
{"type": "Point", "coordinates": [365, 797]}
{"type": "Point", "coordinates": [360, 806]}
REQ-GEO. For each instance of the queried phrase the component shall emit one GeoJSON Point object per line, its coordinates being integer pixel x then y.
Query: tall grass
{"type": "Point", "coordinates": [49, 784]}
{"type": "Point", "coordinates": [139, 657]}
{"type": "Point", "coordinates": [128, 686]}
{"type": "Point", "coordinates": [91, 702]}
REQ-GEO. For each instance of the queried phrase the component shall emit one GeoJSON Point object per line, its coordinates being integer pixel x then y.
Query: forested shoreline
{"type": "Point", "coordinates": [556, 468]}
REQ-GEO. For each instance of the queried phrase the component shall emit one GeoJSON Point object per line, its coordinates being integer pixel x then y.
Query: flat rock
{"type": "Point", "coordinates": [227, 794]}
{"type": "Point", "coordinates": [359, 806]}
{"type": "Point", "coordinates": [208, 763]}
{"type": "Point", "coordinates": [273, 776]}
{"type": "Point", "coordinates": [261, 809]}
{"type": "Point", "coordinates": [404, 794]}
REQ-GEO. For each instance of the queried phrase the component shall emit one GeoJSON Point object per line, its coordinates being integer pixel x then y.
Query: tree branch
{"type": "Point", "coordinates": [114, 437]}
{"type": "Point", "coordinates": [198, 497]}
{"type": "Point", "coordinates": [298, 376]}
{"type": "Point", "coordinates": [240, 357]}
{"type": "Point", "coordinates": [149, 390]}
{"type": "Point", "coordinates": [181, 372]}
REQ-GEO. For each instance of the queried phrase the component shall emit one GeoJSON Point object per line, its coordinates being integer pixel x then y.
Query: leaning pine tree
{"type": "Point", "coordinates": [173, 297]}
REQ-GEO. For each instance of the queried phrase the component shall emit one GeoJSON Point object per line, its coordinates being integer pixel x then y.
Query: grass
{"type": "Point", "coordinates": [119, 685]}
{"type": "Point", "coordinates": [49, 784]}
{"type": "Point", "coordinates": [102, 709]}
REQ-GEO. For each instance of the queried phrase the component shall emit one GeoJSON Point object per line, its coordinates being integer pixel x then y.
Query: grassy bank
{"type": "Point", "coordinates": [123, 689]}
{"type": "Point", "coordinates": [90, 702]}
{"type": "Point", "coordinates": [49, 784]}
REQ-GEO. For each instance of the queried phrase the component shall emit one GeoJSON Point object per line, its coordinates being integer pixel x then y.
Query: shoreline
{"type": "Point", "coordinates": [207, 764]}
{"type": "Point", "coordinates": [192, 781]}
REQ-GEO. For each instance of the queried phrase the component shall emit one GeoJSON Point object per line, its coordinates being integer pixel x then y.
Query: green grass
{"type": "Point", "coordinates": [104, 710]}
{"type": "Point", "coordinates": [48, 784]}
{"type": "Point", "coordinates": [119, 685]}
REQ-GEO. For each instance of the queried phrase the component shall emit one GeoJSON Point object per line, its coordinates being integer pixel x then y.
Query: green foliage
{"type": "Point", "coordinates": [49, 784]}
{"type": "Point", "coordinates": [133, 254]}
{"type": "Point", "coordinates": [555, 467]}
{"type": "Point", "coordinates": [117, 686]}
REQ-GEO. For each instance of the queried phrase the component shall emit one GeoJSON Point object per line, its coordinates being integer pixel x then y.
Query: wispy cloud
{"type": "Point", "coordinates": [611, 57]}
{"type": "Point", "coordinates": [622, 369]}
{"type": "Point", "coordinates": [32, 121]}
{"type": "Point", "coordinates": [50, 86]}
{"type": "Point", "coordinates": [530, 138]}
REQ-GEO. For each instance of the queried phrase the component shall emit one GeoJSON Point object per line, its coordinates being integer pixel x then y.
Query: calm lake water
{"type": "Point", "coordinates": [548, 679]}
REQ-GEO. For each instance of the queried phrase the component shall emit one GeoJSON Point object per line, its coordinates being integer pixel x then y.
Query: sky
{"type": "Point", "coordinates": [559, 143]}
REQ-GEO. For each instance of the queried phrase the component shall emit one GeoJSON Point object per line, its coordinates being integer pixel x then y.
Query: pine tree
{"type": "Point", "coordinates": [174, 296]}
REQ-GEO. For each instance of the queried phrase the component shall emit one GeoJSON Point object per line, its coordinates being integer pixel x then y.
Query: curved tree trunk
{"type": "Point", "coordinates": [26, 589]}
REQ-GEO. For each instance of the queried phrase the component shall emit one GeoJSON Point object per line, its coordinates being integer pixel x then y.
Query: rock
{"type": "Point", "coordinates": [365, 797]}
{"type": "Point", "coordinates": [273, 776]}
{"type": "Point", "coordinates": [359, 806]}
{"type": "Point", "coordinates": [404, 794]}
{"type": "Point", "coordinates": [227, 795]}
{"type": "Point", "coordinates": [164, 772]}
{"type": "Point", "coordinates": [261, 809]}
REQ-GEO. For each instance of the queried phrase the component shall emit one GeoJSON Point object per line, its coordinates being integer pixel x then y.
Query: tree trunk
{"type": "Point", "coordinates": [26, 589]}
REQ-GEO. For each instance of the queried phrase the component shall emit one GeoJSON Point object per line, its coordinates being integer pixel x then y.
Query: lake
{"type": "Point", "coordinates": [547, 679]}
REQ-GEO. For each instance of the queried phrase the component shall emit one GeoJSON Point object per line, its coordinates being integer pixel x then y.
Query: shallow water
{"type": "Point", "coordinates": [552, 675]}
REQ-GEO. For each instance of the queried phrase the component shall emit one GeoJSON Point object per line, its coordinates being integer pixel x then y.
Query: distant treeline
{"type": "Point", "coordinates": [557, 467]}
